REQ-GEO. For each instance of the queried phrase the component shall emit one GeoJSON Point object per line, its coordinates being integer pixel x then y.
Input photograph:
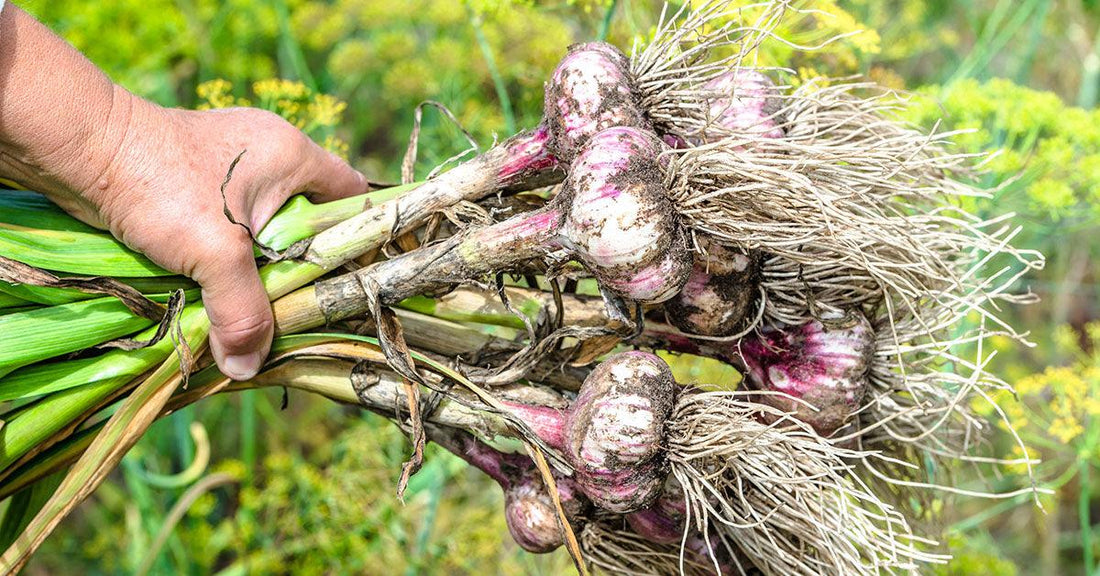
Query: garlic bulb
{"type": "Point", "coordinates": [615, 429]}
{"type": "Point", "coordinates": [621, 223]}
{"type": "Point", "coordinates": [718, 295]}
{"type": "Point", "coordinates": [822, 364]}
{"type": "Point", "coordinates": [589, 91]}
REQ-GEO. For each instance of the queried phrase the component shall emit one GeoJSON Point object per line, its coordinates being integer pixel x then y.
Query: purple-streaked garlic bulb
{"type": "Point", "coordinates": [531, 516]}
{"type": "Point", "coordinates": [741, 102]}
{"type": "Point", "coordinates": [621, 222]}
{"type": "Point", "coordinates": [718, 294]}
{"type": "Point", "coordinates": [662, 522]}
{"type": "Point", "coordinates": [529, 509]}
{"type": "Point", "coordinates": [615, 429]}
{"type": "Point", "coordinates": [746, 103]}
{"type": "Point", "coordinates": [590, 90]}
{"type": "Point", "coordinates": [821, 364]}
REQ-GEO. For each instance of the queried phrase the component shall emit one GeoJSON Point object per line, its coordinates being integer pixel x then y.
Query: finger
{"type": "Point", "coordinates": [327, 177]}
{"type": "Point", "coordinates": [241, 324]}
{"type": "Point", "coordinates": [322, 175]}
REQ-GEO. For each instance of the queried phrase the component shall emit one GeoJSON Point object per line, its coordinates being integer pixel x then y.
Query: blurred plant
{"type": "Point", "coordinates": [854, 45]}
{"type": "Point", "coordinates": [975, 556]}
{"type": "Point", "coordinates": [1050, 149]}
{"type": "Point", "coordinates": [162, 48]}
{"type": "Point", "coordinates": [1046, 169]}
{"type": "Point", "coordinates": [485, 59]}
{"type": "Point", "coordinates": [1057, 413]}
{"type": "Point", "coordinates": [331, 513]}
{"type": "Point", "coordinates": [1049, 43]}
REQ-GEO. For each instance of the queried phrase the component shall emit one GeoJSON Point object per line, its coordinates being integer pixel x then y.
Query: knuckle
{"type": "Point", "coordinates": [207, 257]}
{"type": "Point", "coordinates": [242, 330]}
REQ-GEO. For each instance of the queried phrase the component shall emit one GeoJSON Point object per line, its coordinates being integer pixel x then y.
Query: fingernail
{"type": "Point", "coordinates": [242, 367]}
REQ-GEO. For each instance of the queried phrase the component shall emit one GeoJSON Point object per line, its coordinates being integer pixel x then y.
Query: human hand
{"type": "Point", "coordinates": [152, 175]}
{"type": "Point", "coordinates": [156, 188]}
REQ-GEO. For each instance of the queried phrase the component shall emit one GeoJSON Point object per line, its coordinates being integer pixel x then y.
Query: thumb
{"type": "Point", "coordinates": [241, 323]}
{"type": "Point", "coordinates": [322, 175]}
{"type": "Point", "coordinates": [327, 177]}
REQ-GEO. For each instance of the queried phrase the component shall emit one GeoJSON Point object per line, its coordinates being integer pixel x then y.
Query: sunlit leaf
{"type": "Point", "coordinates": [27, 337]}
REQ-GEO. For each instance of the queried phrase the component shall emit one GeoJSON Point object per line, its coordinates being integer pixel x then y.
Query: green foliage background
{"type": "Point", "coordinates": [313, 484]}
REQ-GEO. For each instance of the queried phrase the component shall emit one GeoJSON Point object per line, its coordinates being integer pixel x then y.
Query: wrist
{"type": "Point", "coordinates": [63, 122]}
{"type": "Point", "coordinates": [93, 165]}
{"type": "Point", "coordinates": [84, 165]}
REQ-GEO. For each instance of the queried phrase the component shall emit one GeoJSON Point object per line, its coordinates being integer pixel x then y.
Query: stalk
{"type": "Point", "coordinates": [27, 430]}
{"type": "Point", "coordinates": [480, 307]}
{"type": "Point", "coordinates": [387, 393]}
{"type": "Point", "coordinates": [157, 289]}
{"type": "Point", "coordinates": [32, 335]}
{"type": "Point", "coordinates": [32, 215]}
{"type": "Point", "coordinates": [299, 218]}
{"type": "Point", "coordinates": [522, 161]}
{"type": "Point", "coordinates": [483, 252]}
{"type": "Point", "coordinates": [8, 301]}
{"type": "Point", "coordinates": [53, 460]}
{"type": "Point", "coordinates": [613, 215]}
{"type": "Point", "coordinates": [298, 313]}
{"type": "Point", "coordinates": [121, 432]}
{"type": "Point", "coordinates": [105, 374]}
{"type": "Point", "coordinates": [326, 377]}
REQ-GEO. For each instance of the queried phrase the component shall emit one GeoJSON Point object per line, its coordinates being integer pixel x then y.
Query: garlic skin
{"type": "Point", "coordinates": [746, 104]}
{"type": "Point", "coordinates": [663, 521]}
{"type": "Point", "coordinates": [659, 281]}
{"type": "Point", "coordinates": [824, 365]}
{"type": "Point", "coordinates": [531, 516]}
{"type": "Point", "coordinates": [718, 294]}
{"type": "Point", "coordinates": [621, 223]}
{"type": "Point", "coordinates": [618, 205]}
{"type": "Point", "coordinates": [615, 429]}
{"type": "Point", "coordinates": [590, 90]}
{"type": "Point", "coordinates": [528, 157]}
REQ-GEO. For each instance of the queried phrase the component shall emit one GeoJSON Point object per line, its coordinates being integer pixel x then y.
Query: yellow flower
{"type": "Point", "coordinates": [213, 88]}
{"type": "Point", "coordinates": [1018, 453]}
{"type": "Point", "coordinates": [1030, 385]}
{"type": "Point", "coordinates": [840, 22]}
{"type": "Point", "coordinates": [1092, 329]}
{"type": "Point", "coordinates": [1092, 405]}
{"type": "Point", "coordinates": [336, 146]}
{"type": "Point", "coordinates": [275, 89]}
{"type": "Point", "coordinates": [1066, 429]}
{"type": "Point", "coordinates": [326, 110]}
{"type": "Point", "coordinates": [1015, 414]}
{"type": "Point", "coordinates": [215, 94]}
{"type": "Point", "coordinates": [887, 77]}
